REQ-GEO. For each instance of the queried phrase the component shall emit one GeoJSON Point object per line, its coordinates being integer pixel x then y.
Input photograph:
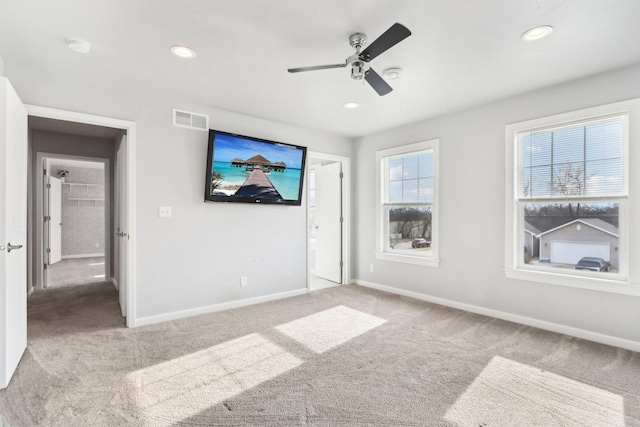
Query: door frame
{"type": "Point", "coordinates": [346, 214]}
{"type": "Point", "coordinates": [130, 209]}
{"type": "Point", "coordinates": [40, 246]}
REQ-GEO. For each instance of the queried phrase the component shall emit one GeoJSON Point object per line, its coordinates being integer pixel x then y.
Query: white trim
{"type": "Point", "coordinates": [82, 256]}
{"type": "Point", "coordinates": [408, 259]}
{"type": "Point", "coordinates": [381, 229]}
{"type": "Point", "coordinates": [577, 279]}
{"type": "Point", "coordinates": [346, 213]}
{"type": "Point", "coordinates": [510, 317]}
{"type": "Point", "coordinates": [150, 320]}
{"type": "Point", "coordinates": [130, 128]}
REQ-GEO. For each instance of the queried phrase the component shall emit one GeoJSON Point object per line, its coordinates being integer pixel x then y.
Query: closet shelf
{"type": "Point", "coordinates": [71, 184]}
{"type": "Point", "coordinates": [78, 199]}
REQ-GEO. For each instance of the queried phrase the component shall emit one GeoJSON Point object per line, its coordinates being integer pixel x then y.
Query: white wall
{"type": "Point", "coordinates": [195, 258]}
{"type": "Point", "coordinates": [472, 203]}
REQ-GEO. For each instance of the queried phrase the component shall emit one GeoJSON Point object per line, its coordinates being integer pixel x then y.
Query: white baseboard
{"type": "Point", "coordinates": [82, 256]}
{"type": "Point", "coordinates": [114, 282]}
{"type": "Point", "coordinates": [150, 320]}
{"type": "Point", "coordinates": [523, 320]}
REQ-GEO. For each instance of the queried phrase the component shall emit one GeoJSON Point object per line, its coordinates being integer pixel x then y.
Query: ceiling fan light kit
{"type": "Point", "coordinates": [359, 62]}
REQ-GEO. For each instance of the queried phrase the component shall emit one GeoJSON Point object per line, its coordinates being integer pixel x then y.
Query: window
{"type": "Point", "coordinates": [407, 204]}
{"type": "Point", "coordinates": [567, 214]}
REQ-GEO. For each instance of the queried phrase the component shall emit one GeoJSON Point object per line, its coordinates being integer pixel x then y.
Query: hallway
{"type": "Point", "coordinates": [76, 271]}
{"type": "Point", "coordinates": [72, 310]}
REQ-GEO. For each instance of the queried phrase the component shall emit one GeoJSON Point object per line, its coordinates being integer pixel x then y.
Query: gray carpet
{"type": "Point", "coordinates": [336, 357]}
{"type": "Point", "coordinates": [76, 271]}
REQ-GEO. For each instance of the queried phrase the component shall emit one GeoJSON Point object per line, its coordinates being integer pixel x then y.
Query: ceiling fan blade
{"type": "Point", "coordinates": [377, 83]}
{"type": "Point", "coordinates": [317, 67]}
{"type": "Point", "coordinates": [387, 40]}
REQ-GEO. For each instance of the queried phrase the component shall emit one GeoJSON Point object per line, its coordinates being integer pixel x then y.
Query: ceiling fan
{"type": "Point", "coordinates": [359, 62]}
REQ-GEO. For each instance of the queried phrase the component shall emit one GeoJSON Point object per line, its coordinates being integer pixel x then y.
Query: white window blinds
{"type": "Point", "coordinates": [584, 159]}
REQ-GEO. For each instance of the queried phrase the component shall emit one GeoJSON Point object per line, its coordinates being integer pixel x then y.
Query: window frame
{"type": "Point", "coordinates": [624, 282]}
{"type": "Point", "coordinates": [382, 204]}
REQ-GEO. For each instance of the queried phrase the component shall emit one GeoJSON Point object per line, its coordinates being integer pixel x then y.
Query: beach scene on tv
{"type": "Point", "coordinates": [246, 168]}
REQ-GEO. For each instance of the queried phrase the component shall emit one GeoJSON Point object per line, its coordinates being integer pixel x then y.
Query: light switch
{"type": "Point", "coordinates": [165, 211]}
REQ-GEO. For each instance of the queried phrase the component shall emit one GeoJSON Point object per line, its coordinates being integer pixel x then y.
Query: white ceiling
{"type": "Point", "coordinates": [462, 52]}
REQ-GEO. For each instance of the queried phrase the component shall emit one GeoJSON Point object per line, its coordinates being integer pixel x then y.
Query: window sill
{"type": "Point", "coordinates": [583, 282]}
{"type": "Point", "coordinates": [407, 259]}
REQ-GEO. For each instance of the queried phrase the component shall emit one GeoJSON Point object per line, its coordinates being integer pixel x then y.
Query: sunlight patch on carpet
{"type": "Point", "coordinates": [513, 394]}
{"type": "Point", "coordinates": [330, 328]}
{"type": "Point", "coordinates": [181, 388]}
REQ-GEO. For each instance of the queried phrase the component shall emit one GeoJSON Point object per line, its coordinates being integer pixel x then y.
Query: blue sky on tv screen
{"type": "Point", "coordinates": [229, 147]}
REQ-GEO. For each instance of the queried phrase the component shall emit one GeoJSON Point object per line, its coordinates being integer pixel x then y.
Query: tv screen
{"type": "Point", "coordinates": [251, 170]}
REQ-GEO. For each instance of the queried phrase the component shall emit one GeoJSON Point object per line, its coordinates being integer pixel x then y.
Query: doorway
{"type": "Point", "coordinates": [328, 214]}
{"type": "Point", "coordinates": [118, 205]}
{"type": "Point", "coordinates": [20, 262]}
{"type": "Point", "coordinates": [76, 236]}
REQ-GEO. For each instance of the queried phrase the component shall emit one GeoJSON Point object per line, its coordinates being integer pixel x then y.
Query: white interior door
{"type": "Point", "coordinates": [328, 222]}
{"type": "Point", "coordinates": [13, 231]}
{"type": "Point", "coordinates": [54, 210]}
{"type": "Point", "coordinates": [121, 225]}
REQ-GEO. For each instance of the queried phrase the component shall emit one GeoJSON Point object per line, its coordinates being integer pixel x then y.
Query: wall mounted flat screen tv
{"type": "Point", "coordinates": [252, 170]}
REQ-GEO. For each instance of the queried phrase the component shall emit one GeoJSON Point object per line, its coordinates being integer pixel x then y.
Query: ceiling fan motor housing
{"type": "Point", "coordinates": [358, 66]}
{"type": "Point", "coordinates": [359, 69]}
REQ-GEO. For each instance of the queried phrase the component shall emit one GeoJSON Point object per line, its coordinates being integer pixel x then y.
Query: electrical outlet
{"type": "Point", "coordinates": [371, 268]}
{"type": "Point", "coordinates": [164, 211]}
{"type": "Point", "coordinates": [243, 281]}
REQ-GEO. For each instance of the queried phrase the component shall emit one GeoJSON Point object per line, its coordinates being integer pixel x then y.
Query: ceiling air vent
{"type": "Point", "coordinates": [189, 120]}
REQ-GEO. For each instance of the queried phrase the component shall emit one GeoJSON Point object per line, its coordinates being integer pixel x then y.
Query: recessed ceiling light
{"type": "Point", "coordinates": [78, 45]}
{"type": "Point", "coordinates": [351, 105]}
{"type": "Point", "coordinates": [537, 33]}
{"type": "Point", "coordinates": [183, 52]}
{"type": "Point", "coordinates": [392, 73]}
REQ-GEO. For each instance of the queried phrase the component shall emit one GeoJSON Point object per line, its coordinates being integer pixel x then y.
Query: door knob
{"type": "Point", "coordinates": [11, 247]}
